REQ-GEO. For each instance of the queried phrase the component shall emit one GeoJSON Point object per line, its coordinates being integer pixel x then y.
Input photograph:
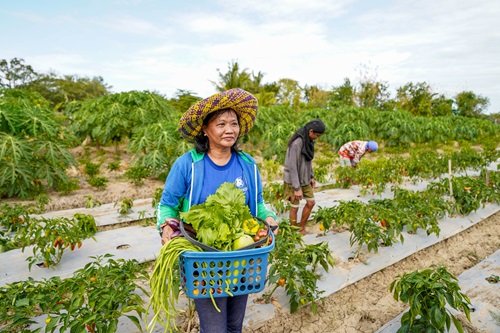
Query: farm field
{"type": "Point", "coordinates": [355, 292]}
{"type": "Point", "coordinates": [81, 175]}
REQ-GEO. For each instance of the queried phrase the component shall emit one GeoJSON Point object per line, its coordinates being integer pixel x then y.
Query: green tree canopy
{"type": "Point", "coordinates": [234, 78]}
{"type": "Point", "coordinates": [343, 95]}
{"type": "Point", "coordinates": [372, 94]}
{"type": "Point", "coordinates": [290, 93]}
{"type": "Point", "coordinates": [415, 98]}
{"type": "Point", "coordinates": [468, 104]}
{"type": "Point", "coordinates": [15, 73]}
{"type": "Point", "coordinates": [315, 97]}
{"type": "Point", "coordinates": [183, 100]}
{"type": "Point", "coordinates": [63, 90]}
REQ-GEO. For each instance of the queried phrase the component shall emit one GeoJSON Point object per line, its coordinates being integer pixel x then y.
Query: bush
{"type": "Point", "coordinates": [65, 188]}
{"type": "Point", "coordinates": [98, 182]}
{"type": "Point", "coordinates": [137, 174]}
{"type": "Point", "coordinates": [91, 169]}
{"type": "Point", "coordinates": [113, 166]}
{"type": "Point", "coordinates": [427, 292]}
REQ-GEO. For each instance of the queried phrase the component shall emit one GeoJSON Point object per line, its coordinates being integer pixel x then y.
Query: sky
{"type": "Point", "coordinates": [167, 45]}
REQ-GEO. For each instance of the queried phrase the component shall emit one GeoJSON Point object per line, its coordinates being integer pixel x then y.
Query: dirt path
{"type": "Point", "coordinates": [367, 305]}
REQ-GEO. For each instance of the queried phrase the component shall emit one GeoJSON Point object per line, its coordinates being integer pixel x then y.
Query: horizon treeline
{"type": "Point", "coordinates": [418, 98]}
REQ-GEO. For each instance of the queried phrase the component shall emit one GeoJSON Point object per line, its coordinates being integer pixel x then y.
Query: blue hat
{"type": "Point", "coordinates": [372, 145]}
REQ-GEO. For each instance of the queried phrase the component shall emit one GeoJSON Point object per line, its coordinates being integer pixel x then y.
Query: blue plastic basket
{"type": "Point", "coordinates": [224, 274]}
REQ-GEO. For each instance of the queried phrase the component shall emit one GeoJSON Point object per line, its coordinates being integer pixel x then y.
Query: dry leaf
{"type": "Point", "coordinates": [276, 303]}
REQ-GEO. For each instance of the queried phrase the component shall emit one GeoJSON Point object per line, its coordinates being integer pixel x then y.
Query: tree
{"type": "Point", "coordinates": [372, 94]}
{"type": "Point", "coordinates": [494, 118]}
{"type": "Point", "coordinates": [289, 93]}
{"type": "Point", "coordinates": [183, 100]}
{"type": "Point", "coordinates": [442, 106]}
{"type": "Point", "coordinates": [343, 95]}
{"type": "Point", "coordinates": [468, 104]}
{"type": "Point", "coordinates": [63, 90]}
{"type": "Point", "coordinates": [15, 73]}
{"type": "Point", "coordinates": [415, 98]}
{"type": "Point", "coordinates": [316, 97]}
{"type": "Point", "coordinates": [256, 84]}
{"type": "Point", "coordinates": [234, 78]}
{"type": "Point", "coordinates": [267, 94]}
{"type": "Point", "coordinates": [253, 83]}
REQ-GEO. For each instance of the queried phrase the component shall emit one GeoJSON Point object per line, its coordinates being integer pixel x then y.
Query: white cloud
{"type": "Point", "coordinates": [133, 26]}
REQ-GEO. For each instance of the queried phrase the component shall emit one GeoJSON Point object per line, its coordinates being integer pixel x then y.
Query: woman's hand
{"type": "Point", "coordinates": [166, 235]}
{"type": "Point", "coordinates": [170, 229]}
{"type": "Point", "coordinates": [272, 223]}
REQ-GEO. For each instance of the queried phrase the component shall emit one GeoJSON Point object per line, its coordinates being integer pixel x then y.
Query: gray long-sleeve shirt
{"type": "Point", "coordinates": [297, 171]}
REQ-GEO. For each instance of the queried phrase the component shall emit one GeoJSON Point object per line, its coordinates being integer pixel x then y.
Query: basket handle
{"type": "Point", "coordinates": [211, 249]}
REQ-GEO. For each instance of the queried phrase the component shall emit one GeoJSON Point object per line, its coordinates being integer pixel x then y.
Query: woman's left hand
{"type": "Point", "coordinates": [272, 223]}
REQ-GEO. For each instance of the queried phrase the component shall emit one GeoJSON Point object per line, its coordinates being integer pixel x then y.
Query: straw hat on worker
{"type": "Point", "coordinates": [243, 103]}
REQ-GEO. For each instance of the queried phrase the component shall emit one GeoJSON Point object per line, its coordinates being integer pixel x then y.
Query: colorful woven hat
{"type": "Point", "coordinates": [239, 100]}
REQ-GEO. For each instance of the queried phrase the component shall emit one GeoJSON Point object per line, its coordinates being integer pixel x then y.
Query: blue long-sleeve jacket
{"type": "Point", "coordinates": [185, 180]}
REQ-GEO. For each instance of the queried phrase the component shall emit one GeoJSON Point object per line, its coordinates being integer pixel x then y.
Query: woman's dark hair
{"type": "Point", "coordinates": [201, 143]}
{"type": "Point", "coordinates": [316, 125]}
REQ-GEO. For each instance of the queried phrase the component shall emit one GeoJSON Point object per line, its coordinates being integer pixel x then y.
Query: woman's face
{"type": "Point", "coordinates": [222, 130]}
{"type": "Point", "coordinates": [313, 135]}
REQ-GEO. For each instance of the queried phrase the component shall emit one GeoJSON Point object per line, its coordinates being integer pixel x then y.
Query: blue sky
{"type": "Point", "coordinates": [166, 45]}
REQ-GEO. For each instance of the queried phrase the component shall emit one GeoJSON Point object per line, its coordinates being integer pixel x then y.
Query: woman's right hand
{"type": "Point", "coordinates": [166, 236]}
{"type": "Point", "coordinates": [170, 229]}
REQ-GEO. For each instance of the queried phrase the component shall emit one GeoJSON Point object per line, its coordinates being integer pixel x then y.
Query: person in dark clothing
{"type": "Point", "coordinates": [298, 175]}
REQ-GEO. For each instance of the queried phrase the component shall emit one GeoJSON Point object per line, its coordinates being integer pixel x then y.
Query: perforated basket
{"type": "Point", "coordinates": [224, 274]}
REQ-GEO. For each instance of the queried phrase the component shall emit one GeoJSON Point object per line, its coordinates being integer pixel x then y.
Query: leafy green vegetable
{"type": "Point", "coordinates": [219, 220]}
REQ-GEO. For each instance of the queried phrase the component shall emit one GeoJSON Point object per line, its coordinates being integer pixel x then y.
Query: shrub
{"type": "Point", "coordinates": [65, 188]}
{"type": "Point", "coordinates": [113, 166]}
{"type": "Point", "coordinates": [91, 169]}
{"type": "Point", "coordinates": [427, 292]}
{"type": "Point", "coordinates": [98, 182]}
{"type": "Point", "coordinates": [137, 174]}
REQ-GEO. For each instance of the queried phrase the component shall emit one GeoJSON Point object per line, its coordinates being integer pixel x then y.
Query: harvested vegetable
{"type": "Point", "coordinates": [165, 284]}
{"type": "Point", "coordinates": [219, 221]}
{"type": "Point", "coordinates": [223, 222]}
{"type": "Point", "coordinates": [243, 241]}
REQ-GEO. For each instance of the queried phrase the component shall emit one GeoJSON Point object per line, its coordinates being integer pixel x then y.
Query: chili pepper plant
{"type": "Point", "coordinates": [296, 270]}
{"type": "Point", "coordinates": [428, 293]}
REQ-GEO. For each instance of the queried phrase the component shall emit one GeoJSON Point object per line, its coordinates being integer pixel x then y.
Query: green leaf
{"type": "Point", "coordinates": [437, 316]}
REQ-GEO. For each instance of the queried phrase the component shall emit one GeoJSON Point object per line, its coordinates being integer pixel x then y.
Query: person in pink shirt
{"type": "Point", "coordinates": [352, 152]}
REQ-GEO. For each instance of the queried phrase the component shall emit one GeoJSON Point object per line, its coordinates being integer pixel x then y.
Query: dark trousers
{"type": "Point", "coordinates": [228, 320]}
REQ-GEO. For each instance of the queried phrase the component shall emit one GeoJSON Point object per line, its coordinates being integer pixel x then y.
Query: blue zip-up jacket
{"type": "Point", "coordinates": [185, 180]}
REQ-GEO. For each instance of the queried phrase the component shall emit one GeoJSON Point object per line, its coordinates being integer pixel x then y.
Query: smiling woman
{"type": "Point", "coordinates": [214, 125]}
{"type": "Point", "coordinates": [222, 130]}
